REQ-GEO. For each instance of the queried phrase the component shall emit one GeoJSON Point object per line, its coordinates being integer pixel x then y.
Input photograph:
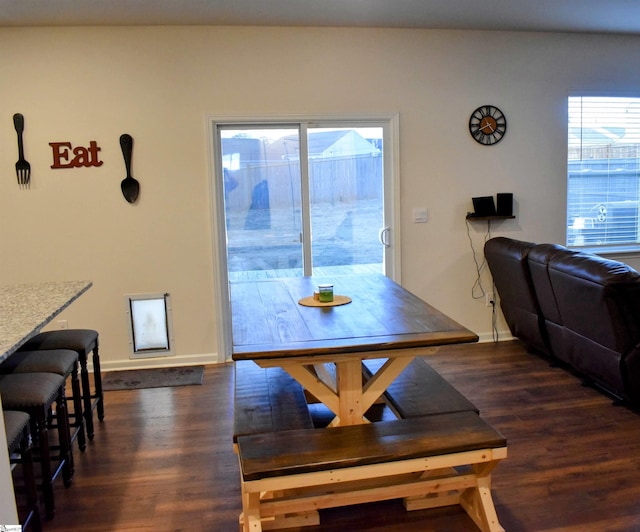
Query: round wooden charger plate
{"type": "Point", "coordinates": [337, 301]}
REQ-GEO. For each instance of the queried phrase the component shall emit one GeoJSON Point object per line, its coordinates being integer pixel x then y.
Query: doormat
{"type": "Point", "coordinates": [134, 379]}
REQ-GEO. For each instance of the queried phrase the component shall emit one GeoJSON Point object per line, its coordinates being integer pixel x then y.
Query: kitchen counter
{"type": "Point", "coordinates": [26, 308]}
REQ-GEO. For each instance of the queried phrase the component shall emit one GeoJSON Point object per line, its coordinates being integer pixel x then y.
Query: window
{"type": "Point", "coordinates": [603, 169]}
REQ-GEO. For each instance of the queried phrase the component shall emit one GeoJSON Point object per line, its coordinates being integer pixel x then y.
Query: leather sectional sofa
{"type": "Point", "coordinates": [577, 308]}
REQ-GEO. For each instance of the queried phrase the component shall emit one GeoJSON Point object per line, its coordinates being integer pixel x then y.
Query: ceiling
{"type": "Point", "coordinates": [601, 16]}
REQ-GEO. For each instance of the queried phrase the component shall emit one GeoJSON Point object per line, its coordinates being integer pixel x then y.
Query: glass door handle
{"type": "Point", "coordinates": [383, 236]}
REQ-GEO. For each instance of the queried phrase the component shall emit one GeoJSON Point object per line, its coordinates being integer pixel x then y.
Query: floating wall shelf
{"type": "Point", "coordinates": [488, 218]}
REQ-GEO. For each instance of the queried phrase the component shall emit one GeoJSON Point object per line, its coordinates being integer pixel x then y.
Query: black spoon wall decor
{"type": "Point", "coordinates": [130, 187]}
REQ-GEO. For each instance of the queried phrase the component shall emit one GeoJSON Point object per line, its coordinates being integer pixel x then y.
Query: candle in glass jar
{"type": "Point", "coordinates": [325, 291]}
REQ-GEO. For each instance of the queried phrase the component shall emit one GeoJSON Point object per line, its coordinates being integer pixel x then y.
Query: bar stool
{"type": "Point", "coordinates": [63, 362]}
{"type": "Point", "coordinates": [35, 393]}
{"type": "Point", "coordinates": [16, 426]}
{"type": "Point", "coordinates": [83, 342]}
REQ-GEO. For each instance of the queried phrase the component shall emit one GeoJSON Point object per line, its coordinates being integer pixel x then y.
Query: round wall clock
{"type": "Point", "coordinates": [487, 125]}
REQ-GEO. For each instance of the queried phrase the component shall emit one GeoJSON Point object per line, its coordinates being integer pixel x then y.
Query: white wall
{"type": "Point", "coordinates": [159, 84]}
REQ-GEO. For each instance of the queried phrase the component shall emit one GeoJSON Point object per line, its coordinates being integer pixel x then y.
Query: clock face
{"type": "Point", "coordinates": [487, 125]}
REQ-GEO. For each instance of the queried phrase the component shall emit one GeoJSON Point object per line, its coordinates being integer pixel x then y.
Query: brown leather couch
{"type": "Point", "coordinates": [507, 260]}
{"type": "Point", "coordinates": [575, 307]}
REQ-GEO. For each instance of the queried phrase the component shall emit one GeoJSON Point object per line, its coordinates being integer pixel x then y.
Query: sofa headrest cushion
{"type": "Point", "coordinates": [542, 253]}
{"type": "Point", "coordinates": [594, 268]}
{"type": "Point", "coordinates": [508, 247]}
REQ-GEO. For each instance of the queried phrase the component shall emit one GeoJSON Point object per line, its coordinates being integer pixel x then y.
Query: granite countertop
{"type": "Point", "coordinates": [26, 308]}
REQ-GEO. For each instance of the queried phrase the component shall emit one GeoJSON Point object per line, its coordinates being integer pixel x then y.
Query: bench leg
{"type": "Point", "coordinates": [478, 502]}
{"type": "Point", "coordinates": [250, 518]}
{"type": "Point", "coordinates": [274, 522]}
{"type": "Point", "coordinates": [435, 499]}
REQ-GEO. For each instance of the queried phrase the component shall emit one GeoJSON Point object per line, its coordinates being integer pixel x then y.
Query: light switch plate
{"type": "Point", "coordinates": [420, 215]}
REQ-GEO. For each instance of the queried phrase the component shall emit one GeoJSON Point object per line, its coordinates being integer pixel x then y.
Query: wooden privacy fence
{"type": "Point", "coordinates": [331, 180]}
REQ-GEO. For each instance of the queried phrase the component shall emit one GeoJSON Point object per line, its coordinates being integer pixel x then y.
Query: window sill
{"type": "Point", "coordinates": [611, 251]}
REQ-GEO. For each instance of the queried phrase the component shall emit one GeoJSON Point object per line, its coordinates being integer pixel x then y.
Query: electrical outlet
{"type": "Point", "coordinates": [489, 299]}
{"type": "Point", "coordinates": [62, 324]}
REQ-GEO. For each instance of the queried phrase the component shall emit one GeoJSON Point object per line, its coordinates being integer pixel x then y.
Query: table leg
{"type": "Point", "coordinates": [382, 379]}
{"type": "Point", "coordinates": [349, 377]}
{"type": "Point", "coordinates": [347, 397]}
{"type": "Point", "coordinates": [327, 373]}
{"type": "Point", "coordinates": [314, 385]}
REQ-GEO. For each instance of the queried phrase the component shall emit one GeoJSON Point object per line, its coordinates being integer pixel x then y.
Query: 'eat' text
{"type": "Point", "coordinates": [66, 156]}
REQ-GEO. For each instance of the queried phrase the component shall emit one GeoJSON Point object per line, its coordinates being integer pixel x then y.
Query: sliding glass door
{"type": "Point", "coordinates": [346, 196]}
{"type": "Point", "coordinates": [303, 199]}
{"type": "Point", "coordinates": [262, 201]}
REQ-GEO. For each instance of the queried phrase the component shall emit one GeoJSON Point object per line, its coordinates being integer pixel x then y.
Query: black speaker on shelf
{"type": "Point", "coordinates": [504, 205]}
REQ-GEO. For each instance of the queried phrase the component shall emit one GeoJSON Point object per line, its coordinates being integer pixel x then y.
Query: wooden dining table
{"type": "Point", "coordinates": [323, 346]}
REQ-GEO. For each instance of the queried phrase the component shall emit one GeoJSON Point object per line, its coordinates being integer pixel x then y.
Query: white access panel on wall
{"type": "Point", "coordinates": [150, 325]}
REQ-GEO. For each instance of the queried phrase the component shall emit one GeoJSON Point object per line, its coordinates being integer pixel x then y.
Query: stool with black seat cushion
{"type": "Point", "coordinates": [63, 362]}
{"type": "Point", "coordinates": [35, 393]}
{"type": "Point", "coordinates": [83, 342]}
{"type": "Point", "coordinates": [16, 426]}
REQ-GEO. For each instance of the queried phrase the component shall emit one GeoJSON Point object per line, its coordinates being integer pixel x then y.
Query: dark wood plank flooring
{"type": "Point", "coordinates": [163, 461]}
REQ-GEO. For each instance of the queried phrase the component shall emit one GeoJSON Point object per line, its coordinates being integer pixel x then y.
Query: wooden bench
{"type": "Point", "coordinates": [270, 400]}
{"type": "Point", "coordinates": [421, 391]}
{"type": "Point", "coordinates": [429, 462]}
{"type": "Point", "coordinates": [267, 400]}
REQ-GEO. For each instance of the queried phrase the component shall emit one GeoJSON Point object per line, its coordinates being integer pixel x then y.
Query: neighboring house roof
{"type": "Point", "coordinates": [240, 152]}
{"type": "Point", "coordinates": [596, 136]}
{"type": "Point", "coordinates": [338, 143]}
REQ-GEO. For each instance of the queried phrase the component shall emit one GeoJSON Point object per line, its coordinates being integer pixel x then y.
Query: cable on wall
{"type": "Point", "coordinates": [477, 290]}
{"type": "Point", "coordinates": [494, 317]}
{"type": "Point", "coordinates": [480, 266]}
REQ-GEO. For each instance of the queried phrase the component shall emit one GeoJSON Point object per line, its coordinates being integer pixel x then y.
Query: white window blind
{"type": "Point", "coordinates": [603, 169]}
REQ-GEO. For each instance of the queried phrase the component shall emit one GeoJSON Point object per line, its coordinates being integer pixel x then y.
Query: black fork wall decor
{"type": "Point", "coordinates": [23, 168]}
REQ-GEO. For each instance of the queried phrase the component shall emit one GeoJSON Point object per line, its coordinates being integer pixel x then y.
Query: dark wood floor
{"type": "Point", "coordinates": [163, 460]}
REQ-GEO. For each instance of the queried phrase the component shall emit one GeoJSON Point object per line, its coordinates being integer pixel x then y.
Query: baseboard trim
{"type": "Point", "coordinates": [503, 336]}
{"type": "Point", "coordinates": [160, 362]}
